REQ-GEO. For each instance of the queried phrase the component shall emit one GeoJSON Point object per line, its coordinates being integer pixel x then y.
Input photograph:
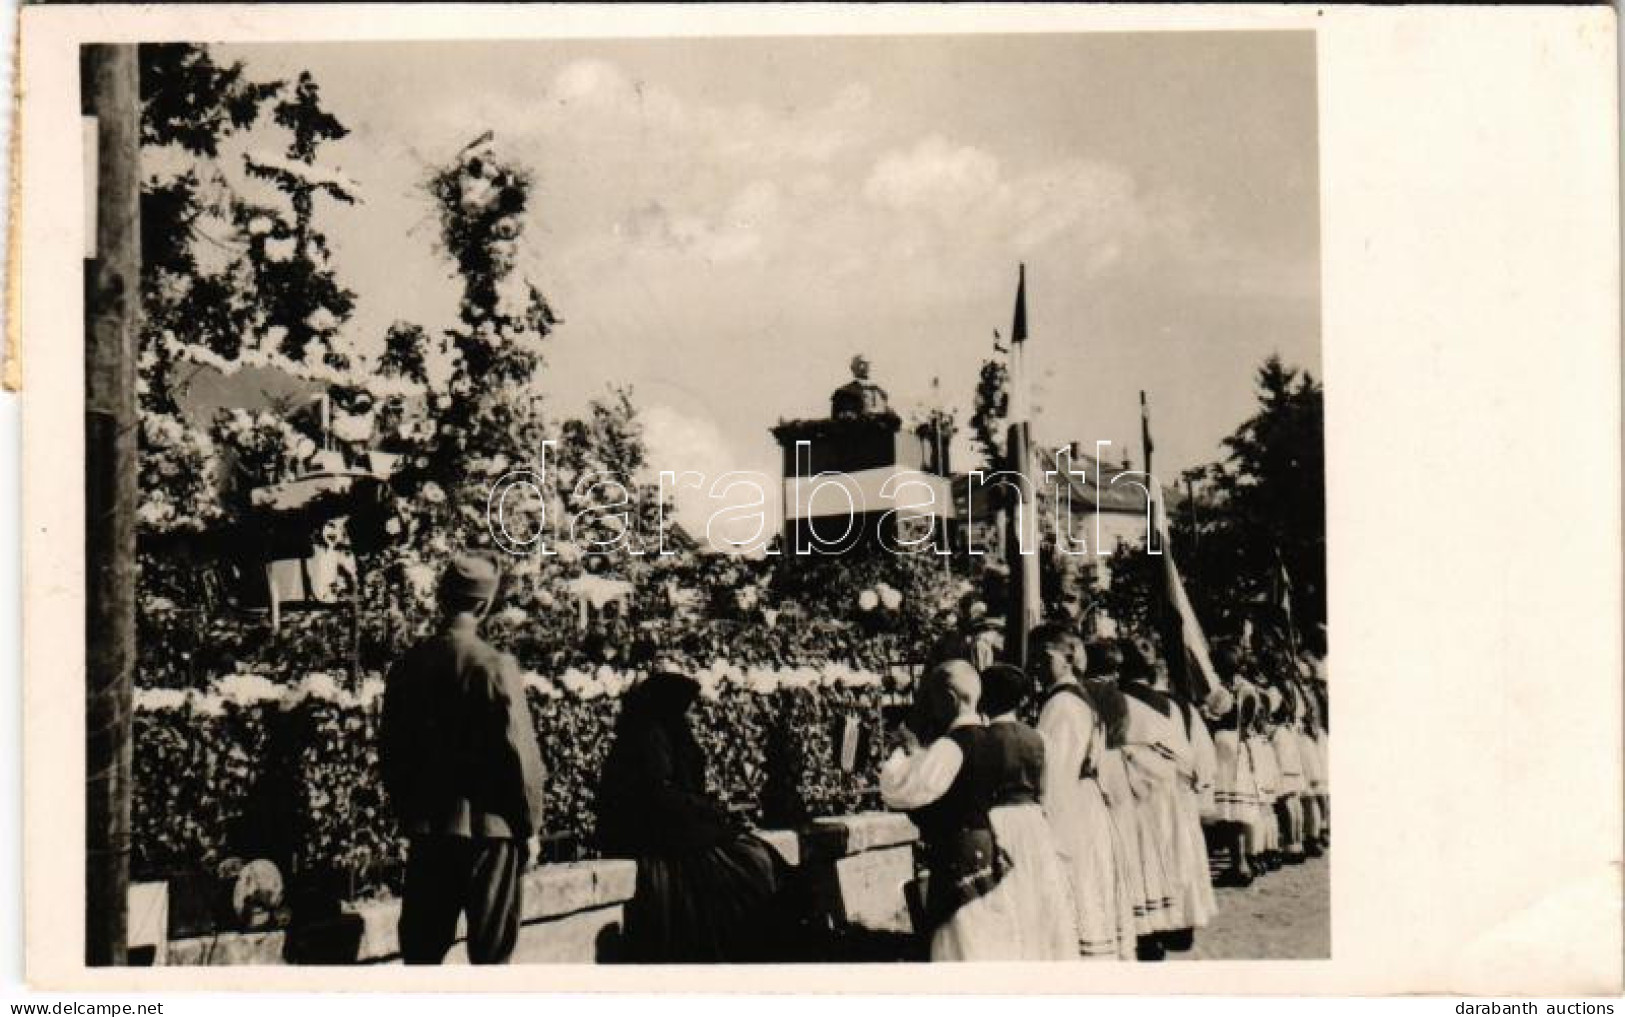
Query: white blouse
{"type": "Point", "coordinates": [909, 780]}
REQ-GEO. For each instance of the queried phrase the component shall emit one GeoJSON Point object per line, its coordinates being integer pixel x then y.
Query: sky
{"type": "Point", "coordinates": [723, 223]}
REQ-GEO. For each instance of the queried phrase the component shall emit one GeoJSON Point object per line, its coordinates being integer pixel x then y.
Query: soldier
{"type": "Point", "coordinates": [461, 765]}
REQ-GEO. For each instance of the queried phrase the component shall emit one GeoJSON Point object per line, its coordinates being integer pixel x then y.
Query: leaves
{"type": "Point", "coordinates": [301, 786]}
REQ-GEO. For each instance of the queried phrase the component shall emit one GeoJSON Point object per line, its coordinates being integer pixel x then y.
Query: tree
{"type": "Point", "coordinates": [194, 281]}
{"type": "Point", "coordinates": [992, 406]}
{"type": "Point", "coordinates": [481, 417]}
{"type": "Point", "coordinates": [1270, 496]}
{"type": "Point", "coordinates": [1260, 508]}
{"type": "Point", "coordinates": [406, 348]}
{"type": "Point", "coordinates": [225, 281]}
{"type": "Point", "coordinates": [302, 302]}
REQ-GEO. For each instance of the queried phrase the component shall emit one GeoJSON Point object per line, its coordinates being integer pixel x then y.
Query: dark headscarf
{"type": "Point", "coordinates": [660, 700]}
{"type": "Point", "coordinates": [652, 797]}
{"type": "Point", "coordinates": [1004, 688]}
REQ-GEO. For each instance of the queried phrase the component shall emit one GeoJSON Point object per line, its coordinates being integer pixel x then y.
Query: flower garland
{"type": "Point", "coordinates": [246, 690]}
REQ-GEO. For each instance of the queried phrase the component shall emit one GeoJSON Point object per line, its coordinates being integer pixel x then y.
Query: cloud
{"type": "Point", "coordinates": [642, 188]}
{"type": "Point", "coordinates": [934, 175]}
{"type": "Point", "coordinates": [680, 442]}
{"type": "Point", "coordinates": [590, 80]}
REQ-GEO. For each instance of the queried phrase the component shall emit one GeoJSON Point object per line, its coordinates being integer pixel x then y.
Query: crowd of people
{"type": "Point", "coordinates": [1083, 834]}
{"type": "Point", "coordinates": [1088, 833]}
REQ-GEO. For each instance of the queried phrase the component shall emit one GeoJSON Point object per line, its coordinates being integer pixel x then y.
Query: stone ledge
{"type": "Point", "coordinates": [228, 948]}
{"type": "Point", "coordinates": [867, 831]}
{"type": "Point", "coordinates": [786, 842]}
{"type": "Point", "coordinates": [552, 891]}
{"type": "Point", "coordinates": [556, 893]}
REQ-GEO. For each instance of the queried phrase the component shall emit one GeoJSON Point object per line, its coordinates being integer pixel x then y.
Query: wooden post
{"type": "Point", "coordinates": [111, 84]}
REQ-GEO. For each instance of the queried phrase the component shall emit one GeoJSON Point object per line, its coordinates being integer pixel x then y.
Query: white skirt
{"type": "Point", "coordinates": [1265, 773]}
{"type": "Point", "coordinates": [1140, 821]}
{"type": "Point", "coordinates": [1235, 789]}
{"type": "Point", "coordinates": [1194, 902]}
{"type": "Point", "coordinates": [981, 930]}
{"type": "Point", "coordinates": [1289, 760]}
{"type": "Point", "coordinates": [1039, 889]}
{"type": "Point", "coordinates": [1096, 864]}
{"type": "Point", "coordinates": [1314, 763]}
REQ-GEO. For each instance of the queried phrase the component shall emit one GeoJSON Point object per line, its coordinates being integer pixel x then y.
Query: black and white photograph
{"type": "Point", "coordinates": [724, 500]}
{"type": "Point", "coordinates": [818, 500]}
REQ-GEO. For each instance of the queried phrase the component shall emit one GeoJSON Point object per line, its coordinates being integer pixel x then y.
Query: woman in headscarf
{"type": "Point", "coordinates": [1039, 888]}
{"type": "Point", "coordinates": [707, 891]}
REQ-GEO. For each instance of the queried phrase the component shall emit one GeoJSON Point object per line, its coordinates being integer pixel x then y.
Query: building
{"type": "Point", "coordinates": [858, 479]}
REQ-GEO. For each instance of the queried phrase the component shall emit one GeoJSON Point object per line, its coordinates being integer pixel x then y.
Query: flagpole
{"type": "Point", "coordinates": [941, 467]}
{"type": "Point", "coordinates": [1145, 441]}
{"type": "Point", "coordinates": [1024, 608]}
{"type": "Point", "coordinates": [1163, 618]}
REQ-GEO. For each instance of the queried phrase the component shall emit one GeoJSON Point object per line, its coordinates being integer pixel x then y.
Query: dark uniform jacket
{"type": "Point", "coordinates": [458, 747]}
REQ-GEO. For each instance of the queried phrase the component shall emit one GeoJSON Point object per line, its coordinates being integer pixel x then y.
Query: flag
{"type": "Point", "coordinates": [1190, 668]}
{"type": "Point", "coordinates": [1145, 437]}
{"type": "Point", "coordinates": [1025, 606]}
{"type": "Point", "coordinates": [1018, 330]}
{"type": "Point", "coordinates": [1283, 602]}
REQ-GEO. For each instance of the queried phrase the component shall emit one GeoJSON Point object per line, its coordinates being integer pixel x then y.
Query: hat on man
{"type": "Point", "coordinates": [469, 576]}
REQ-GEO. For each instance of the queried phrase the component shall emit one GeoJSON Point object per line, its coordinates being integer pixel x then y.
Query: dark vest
{"type": "Point", "coordinates": [963, 859]}
{"type": "Point", "coordinates": [1158, 701]}
{"type": "Point", "coordinates": [1018, 757]}
{"type": "Point", "coordinates": [975, 788]}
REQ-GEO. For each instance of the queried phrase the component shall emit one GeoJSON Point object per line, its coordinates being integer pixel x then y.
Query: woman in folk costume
{"type": "Point", "coordinates": [1289, 758]}
{"type": "Point", "coordinates": [948, 787]}
{"type": "Point", "coordinates": [1038, 885]}
{"type": "Point", "coordinates": [1266, 831]}
{"type": "Point", "coordinates": [1197, 803]}
{"type": "Point", "coordinates": [1320, 789]}
{"type": "Point", "coordinates": [1129, 791]}
{"type": "Point", "coordinates": [707, 891]}
{"type": "Point", "coordinates": [1215, 704]}
{"type": "Point", "coordinates": [1235, 792]}
{"type": "Point", "coordinates": [1075, 736]}
{"type": "Point", "coordinates": [1304, 726]}
{"type": "Point", "coordinates": [1159, 754]}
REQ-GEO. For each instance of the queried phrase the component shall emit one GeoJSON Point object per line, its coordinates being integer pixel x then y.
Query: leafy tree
{"type": "Point", "coordinates": [190, 101]}
{"type": "Point", "coordinates": [194, 279]}
{"type": "Point", "coordinates": [992, 405]}
{"type": "Point", "coordinates": [303, 303]}
{"type": "Point", "coordinates": [406, 348]}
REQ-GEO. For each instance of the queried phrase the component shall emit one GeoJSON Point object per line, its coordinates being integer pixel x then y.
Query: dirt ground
{"type": "Point", "coordinates": [1285, 914]}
